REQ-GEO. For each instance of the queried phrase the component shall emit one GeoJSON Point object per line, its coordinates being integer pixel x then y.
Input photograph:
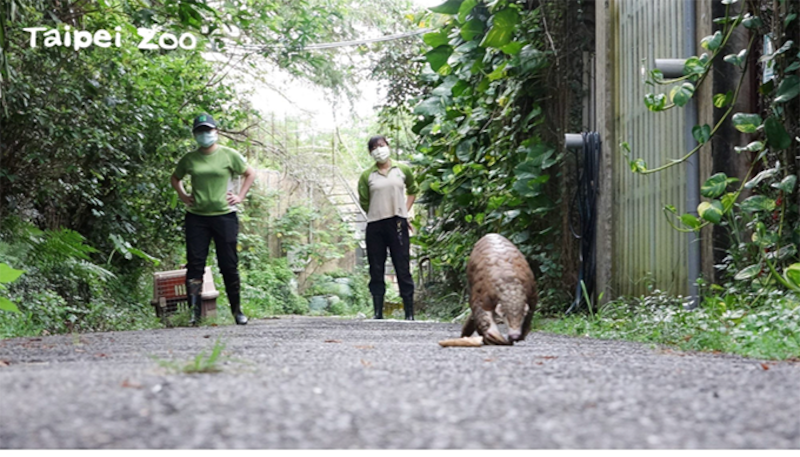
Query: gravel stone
{"type": "Point", "coordinates": [303, 382]}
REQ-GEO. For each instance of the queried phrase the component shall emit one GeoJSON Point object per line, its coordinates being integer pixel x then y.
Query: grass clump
{"type": "Point", "coordinates": [201, 363]}
{"type": "Point", "coordinates": [764, 326]}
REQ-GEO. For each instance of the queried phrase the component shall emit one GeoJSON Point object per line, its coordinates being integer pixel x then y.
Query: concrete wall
{"type": "Point", "coordinates": [287, 191]}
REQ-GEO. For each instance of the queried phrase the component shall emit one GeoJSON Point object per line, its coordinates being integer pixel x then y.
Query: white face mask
{"type": "Point", "coordinates": [380, 154]}
{"type": "Point", "coordinates": [206, 139]}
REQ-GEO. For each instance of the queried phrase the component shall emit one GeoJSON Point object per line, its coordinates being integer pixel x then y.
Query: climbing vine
{"type": "Point", "coordinates": [487, 152]}
{"type": "Point", "coordinates": [762, 226]}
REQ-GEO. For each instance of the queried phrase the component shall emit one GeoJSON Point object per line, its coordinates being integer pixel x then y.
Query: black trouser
{"type": "Point", "coordinates": [224, 229]}
{"type": "Point", "coordinates": [391, 233]}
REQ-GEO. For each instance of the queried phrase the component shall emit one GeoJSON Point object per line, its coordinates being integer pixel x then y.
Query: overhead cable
{"type": "Point", "coordinates": [340, 44]}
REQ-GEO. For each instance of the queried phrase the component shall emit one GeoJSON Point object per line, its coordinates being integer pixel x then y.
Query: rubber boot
{"type": "Point", "coordinates": [377, 303]}
{"type": "Point", "coordinates": [236, 308]}
{"type": "Point", "coordinates": [194, 290]}
{"type": "Point", "coordinates": [232, 288]}
{"type": "Point", "coordinates": [408, 307]}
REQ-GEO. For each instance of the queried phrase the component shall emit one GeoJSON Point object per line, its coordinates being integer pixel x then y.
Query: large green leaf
{"type": "Point", "coordinates": [788, 89]}
{"type": "Point", "coordinates": [448, 7]}
{"type": "Point", "coordinates": [693, 65]}
{"type": "Point", "coordinates": [736, 59]}
{"type": "Point", "coordinates": [8, 274]}
{"type": "Point", "coordinates": [776, 134]}
{"type": "Point", "coordinates": [762, 237]}
{"type": "Point", "coordinates": [655, 102]}
{"type": "Point", "coordinates": [498, 72]}
{"type": "Point", "coordinates": [711, 211]}
{"type": "Point", "coordinates": [787, 184]}
{"type": "Point", "coordinates": [431, 106]}
{"type": "Point", "coordinates": [766, 174]}
{"type": "Point", "coordinates": [714, 186]}
{"type": "Point", "coordinates": [712, 42]}
{"type": "Point", "coordinates": [512, 48]}
{"type": "Point", "coordinates": [681, 95]}
{"type": "Point", "coordinates": [754, 146]}
{"type": "Point", "coordinates": [503, 25]}
{"type": "Point", "coordinates": [792, 274]}
{"type": "Point", "coordinates": [702, 133]}
{"type": "Point", "coordinates": [438, 57]}
{"type": "Point", "coordinates": [472, 29]}
{"type": "Point", "coordinates": [723, 100]}
{"type": "Point", "coordinates": [690, 221]}
{"type": "Point", "coordinates": [748, 273]}
{"type": "Point", "coordinates": [758, 203]}
{"type": "Point", "coordinates": [435, 39]}
{"type": "Point", "coordinates": [728, 200]}
{"type": "Point", "coordinates": [752, 22]}
{"type": "Point", "coordinates": [465, 9]}
{"type": "Point", "coordinates": [464, 150]}
{"type": "Point", "coordinates": [8, 305]}
{"type": "Point", "coordinates": [747, 123]}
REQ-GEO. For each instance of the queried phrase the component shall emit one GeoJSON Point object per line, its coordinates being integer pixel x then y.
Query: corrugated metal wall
{"type": "Point", "coordinates": [644, 245]}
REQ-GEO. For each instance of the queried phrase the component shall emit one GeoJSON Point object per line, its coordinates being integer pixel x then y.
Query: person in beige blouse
{"type": "Point", "coordinates": [386, 191]}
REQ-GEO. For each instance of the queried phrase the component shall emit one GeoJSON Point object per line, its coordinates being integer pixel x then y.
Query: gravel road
{"type": "Point", "coordinates": [307, 382]}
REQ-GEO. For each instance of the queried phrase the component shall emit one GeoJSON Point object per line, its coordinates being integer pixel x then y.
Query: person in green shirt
{"type": "Point", "coordinates": [386, 192]}
{"type": "Point", "coordinates": [211, 212]}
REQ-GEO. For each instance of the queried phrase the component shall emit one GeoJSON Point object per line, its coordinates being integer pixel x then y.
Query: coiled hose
{"type": "Point", "coordinates": [588, 167]}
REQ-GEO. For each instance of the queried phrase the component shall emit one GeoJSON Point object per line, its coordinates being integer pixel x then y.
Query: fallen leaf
{"type": "Point", "coordinates": [366, 363]}
{"type": "Point", "coordinates": [206, 336]}
{"type": "Point", "coordinates": [765, 366]}
{"type": "Point", "coordinates": [366, 346]}
{"type": "Point", "coordinates": [488, 360]}
{"type": "Point", "coordinates": [3, 363]}
{"type": "Point", "coordinates": [539, 363]}
{"type": "Point", "coordinates": [333, 341]}
{"type": "Point", "coordinates": [100, 355]}
{"type": "Point", "coordinates": [132, 385]}
{"type": "Point", "coordinates": [213, 325]}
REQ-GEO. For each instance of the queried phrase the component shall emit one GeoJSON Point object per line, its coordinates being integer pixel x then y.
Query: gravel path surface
{"type": "Point", "coordinates": [329, 383]}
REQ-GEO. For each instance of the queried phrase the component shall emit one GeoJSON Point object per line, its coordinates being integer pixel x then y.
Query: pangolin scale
{"type": "Point", "coordinates": [502, 286]}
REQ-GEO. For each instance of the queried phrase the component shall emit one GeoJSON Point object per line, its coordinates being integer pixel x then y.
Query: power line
{"type": "Point", "coordinates": [341, 44]}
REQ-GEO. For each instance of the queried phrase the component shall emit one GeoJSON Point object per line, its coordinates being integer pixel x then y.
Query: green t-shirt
{"type": "Point", "coordinates": [212, 178]}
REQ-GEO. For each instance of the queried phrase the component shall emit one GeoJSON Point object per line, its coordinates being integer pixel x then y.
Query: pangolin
{"type": "Point", "coordinates": [501, 286]}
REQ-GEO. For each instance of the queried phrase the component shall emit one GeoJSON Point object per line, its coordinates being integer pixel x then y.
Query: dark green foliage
{"type": "Point", "coordinates": [61, 291]}
{"type": "Point", "coordinates": [486, 165]}
{"type": "Point", "coordinates": [89, 139]}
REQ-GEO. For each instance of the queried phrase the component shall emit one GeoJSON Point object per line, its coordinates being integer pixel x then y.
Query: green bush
{"type": "Point", "coordinates": [63, 290]}
{"type": "Point", "coordinates": [269, 288]}
{"type": "Point", "coordinates": [347, 293]}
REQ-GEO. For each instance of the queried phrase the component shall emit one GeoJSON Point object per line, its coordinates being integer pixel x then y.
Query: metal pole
{"type": "Point", "coordinates": [693, 164]}
{"type": "Point", "coordinates": [672, 68]}
{"type": "Point", "coordinates": [573, 140]}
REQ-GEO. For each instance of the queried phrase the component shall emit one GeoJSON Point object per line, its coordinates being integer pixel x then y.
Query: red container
{"type": "Point", "coordinates": [169, 293]}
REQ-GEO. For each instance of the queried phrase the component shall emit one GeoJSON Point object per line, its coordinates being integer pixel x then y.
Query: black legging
{"type": "Point", "coordinates": [224, 230]}
{"type": "Point", "coordinates": [391, 233]}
